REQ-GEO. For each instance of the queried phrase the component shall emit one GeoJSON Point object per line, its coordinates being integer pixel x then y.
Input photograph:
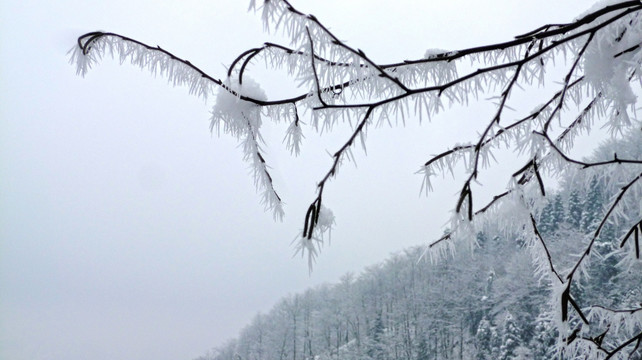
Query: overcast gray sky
{"type": "Point", "coordinates": [128, 231]}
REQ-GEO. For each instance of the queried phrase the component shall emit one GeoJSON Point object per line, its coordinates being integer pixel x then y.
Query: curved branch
{"type": "Point", "coordinates": [538, 34]}
{"type": "Point", "coordinates": [629, 6]}
{"type": "Point", "coordinates": [312, 215]}
{"type": "Point", "coordinates": [238, 58]}
{"type": "Point", "coordinates": [586, 165]}
{"type": "Point", "coordinates": [85, 44]}
{"type": "Point", "coordinates": [628, 342]}
{"type": "Point", "coordinates": [597, 232]}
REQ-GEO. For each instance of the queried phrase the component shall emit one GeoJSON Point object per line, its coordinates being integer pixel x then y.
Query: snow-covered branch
{"type": "Point", "coordinates": [603, 52]}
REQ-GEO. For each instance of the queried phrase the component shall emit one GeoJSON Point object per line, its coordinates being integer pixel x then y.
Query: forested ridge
{"type": "Point", "coordinates": [481, 303]}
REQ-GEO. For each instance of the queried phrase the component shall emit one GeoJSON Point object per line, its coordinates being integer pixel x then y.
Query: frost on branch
{"type": "Point", "coordinates": [591, 66]}
{"type": "Point", "coordinates": [91, 48]}
{"type": "Point", "coordinates": [312, 243]}
{"type": "Point", "coordinates": [242, 119]}
{"type": "Point", "coordinates": [609, 64]}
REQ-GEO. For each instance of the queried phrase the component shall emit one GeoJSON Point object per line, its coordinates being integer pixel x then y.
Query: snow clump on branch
{"type": "Point", "coordinates": [607, 66]}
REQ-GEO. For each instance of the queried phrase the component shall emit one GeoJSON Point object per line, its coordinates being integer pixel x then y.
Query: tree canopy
{"type": "Point", "coordinates": [591, 69]}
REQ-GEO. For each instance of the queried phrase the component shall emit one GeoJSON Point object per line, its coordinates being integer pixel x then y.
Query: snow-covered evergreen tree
{"type": "Point", "coordinates": [511, 338]}
{"type": "Point", "coordinates": [541, 344]}
{"type": "Point", "coordinates": [483, 340]}
{"type": "Point", "coordinates": [375, 345]}
{"type": "Point", "coordinates": [574, 210]}
{"type": "Point", "coordinates": [592, 207]}
{"type": "Point", "coordinates": [423, 351]}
